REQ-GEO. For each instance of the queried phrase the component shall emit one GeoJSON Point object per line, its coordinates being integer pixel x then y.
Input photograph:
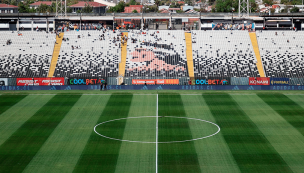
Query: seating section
{"type": "Point", "coordinates": [223, 54]}
{"type": "Point", "coordinates": [93, 56]}
{"type": "Point", "coordinates": [152, 54]}
{"type": "Point", "coordinates": [28, 55]}
{"type": "Point", "coordinates": [282, 53]}
{"type": "Point", "coordinates": [156, 54]}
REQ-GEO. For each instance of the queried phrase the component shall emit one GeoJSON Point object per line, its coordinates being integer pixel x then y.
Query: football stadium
{"type": "Point", "coordinates": [151, 92]}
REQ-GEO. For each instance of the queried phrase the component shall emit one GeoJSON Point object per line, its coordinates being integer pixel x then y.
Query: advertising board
{"type": "Point", "coordinates": [85, 81]}
{"type": "Point", "coordinates": [279, 81]}
{"type": "Point", "coordinates": [213, 81]}
{"type": "Point", "coordinates": [40, 81]}
{"type": "Point", "coordinates": [259, 81]}
{"type": "Point", "coordinates": [155, 81]}
{"type": "Point", "coordinates": [3, 82]}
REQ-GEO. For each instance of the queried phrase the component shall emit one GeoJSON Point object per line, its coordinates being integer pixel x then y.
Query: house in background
{"type": "Point", "coordinates": [37, 4]}
{"type": "Point", "coordinates": [169, 10]}
{"type": "Point", "coordinates": [97, 7]}
{"type": "Point", "coordinates": [5, 8]}
{"type": "Point", "coordinates": [187, 8]}
{"type": "Point", "coordinates": [163, 7]}
{"type": "Point", "coordinates": [131, 8]}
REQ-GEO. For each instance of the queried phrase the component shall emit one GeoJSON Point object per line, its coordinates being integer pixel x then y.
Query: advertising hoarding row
{"type": "Point", "coordinates": [193, 81]}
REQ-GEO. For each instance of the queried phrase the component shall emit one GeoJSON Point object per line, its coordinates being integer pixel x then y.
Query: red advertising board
{"type": "Point", "coordinates": [155, 81]}
{"type": "Point", "coordinates": [259, 81]}
{"type": "Point", "coordinates": [40, 81]}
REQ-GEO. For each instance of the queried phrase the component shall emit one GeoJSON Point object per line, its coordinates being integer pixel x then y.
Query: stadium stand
{"type": "Point", "coordinates": [89, 54]}
{"type": "Point", "coordinates": [27, 54]}
{"type": "Point", "coordinates": [153, 54]}
{"type": "Point", "coordinates": [156, 54]}
{"type": "Point", "coordinates": [223, 54]}
{"type": "Point", "coordinates": [282, 53]}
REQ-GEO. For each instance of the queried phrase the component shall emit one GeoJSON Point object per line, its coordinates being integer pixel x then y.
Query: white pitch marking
{"type": "Point", "coordinates": [156, 131]}
{"type": "Point", "coordinates": [42, 94]}
{"type": "Point", "coordinates": [219, 129]}
{"type": "Point", "coordinates": [293, 94]}
{"type": "Point", "coordinates": [98, 94]}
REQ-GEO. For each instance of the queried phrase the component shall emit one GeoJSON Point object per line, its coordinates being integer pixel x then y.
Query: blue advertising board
{"type": "Point", "coordinates": [279, 81]}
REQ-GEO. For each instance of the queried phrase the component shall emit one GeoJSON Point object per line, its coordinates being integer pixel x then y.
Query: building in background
{"type": "Point", "coordinates": [5, 8]}
{"type": "Point", "coordinates": [37, 4]}
{"type": "Point", "coordinates": [131, 8]}
{"type": "Point", "coordinates": [97, 7]}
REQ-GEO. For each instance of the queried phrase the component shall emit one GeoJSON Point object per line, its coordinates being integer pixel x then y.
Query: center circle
{"type": "Point", "coordinates": [109, 126]}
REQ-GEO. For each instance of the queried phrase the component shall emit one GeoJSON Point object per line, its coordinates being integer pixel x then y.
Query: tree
{"type": "Point", "coordinates": [225, 5]}
{"type": "Point", "coordinates": [152, 9]}
{"type": "Point", "coordinates": [285, 10]}
{"type": "Point", "coordinates": [23, 8]}
{"type": "Point", "coordinates": [42, 8]}
{"type": "Point", "coordinates": [87, 8]}
{"type": "Point", "coordinates": [272, 10]}
{"type": "Point", "coordinates": [134, 11]}
{"type": "Point", "coordinates": [132, 2]}
{"type": "Point", "coordinates": [269, 2]}
{"type": "Point", "coordinates": [157, 2]}
{"type": "Point", "coordinates": [294, 10]}
{"type": "Point", "coordinates": [69, 10]}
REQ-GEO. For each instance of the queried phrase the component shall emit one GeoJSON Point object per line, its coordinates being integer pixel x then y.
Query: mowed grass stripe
{"type": "Point", "coordinates": [213, 153]}
{"type": "Point", "coordinates": [21, 147]}
{"type": "Point", "coordinates": [63, 148]}
{"type": "Point", "coordinates": [6, 101]}
{"type": "Point", "coordinates": [287, 108]}
{"type": "Point", "coordinates": [100, 154]}
{"type": "Point", "coordinates": [249, 147]}
{"type": "Point", "coordinates": [175, 157]}
{"type": "Point", "coordinates": [286, 140]}
{"type": "Point", "coordinates": [16, 115]}
{"type": "Point", "coordinates": [139, 157]}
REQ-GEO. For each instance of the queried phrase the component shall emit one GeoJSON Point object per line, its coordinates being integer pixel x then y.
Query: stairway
{"type": "Point", "coordinates": [189, 55]}
{"type": "Point", "coordinates": [256, 50]}
{"type": "Point", "coordinates": [56, 52]}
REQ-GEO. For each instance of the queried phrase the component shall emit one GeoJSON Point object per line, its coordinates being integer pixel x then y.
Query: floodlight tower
{"type": "Point", "coordinates": [61, 8]}
{"type": "Point", "coordinates": [243, 8]}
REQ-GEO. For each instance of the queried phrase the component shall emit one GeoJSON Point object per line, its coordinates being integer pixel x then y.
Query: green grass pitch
{"type": "Point", "coordinates": [152, 131]}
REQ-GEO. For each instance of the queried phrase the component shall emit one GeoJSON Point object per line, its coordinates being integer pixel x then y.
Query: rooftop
{"type": "Point", "coordinates": [92, 4]}
{"type": "Point", "coordinates": [7, 6]}
{"type": "Point", "coordinates": [49, 3]}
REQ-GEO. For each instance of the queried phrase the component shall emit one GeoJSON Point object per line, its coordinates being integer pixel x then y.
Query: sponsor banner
{"type": "Point", "coordinates": [40, 81]}
{"type": "Point", "coordinates": [3, 82]}
{"type": "Point", "coordinates": [155, 81]}
{"type": "Point", "coordinates": [279, 81]}
{"type": "Point", "coordinates": [85, 81]}
{"type": "Point", "coordinates": [239, 81]}
{"type": "Point", "coordinates": [296, 81]}
{"type": "Point", "coordinates": [259, 81]}
{"type": "Point", "coordinates": [213, 81]}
